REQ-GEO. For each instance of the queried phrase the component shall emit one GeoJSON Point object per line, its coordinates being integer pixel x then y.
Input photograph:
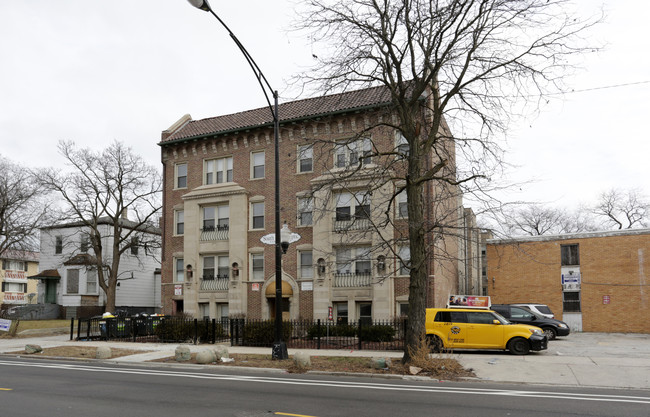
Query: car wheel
{"type": "Point", "coordinates": [519, 346]}
{"type": "Point", "coordinates": [435, 344]}
{"type": "Point", "coordinates": [550, 333]}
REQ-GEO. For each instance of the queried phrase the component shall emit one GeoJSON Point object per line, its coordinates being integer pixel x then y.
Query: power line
{"type": "Point", "coordinates": [605, 87]}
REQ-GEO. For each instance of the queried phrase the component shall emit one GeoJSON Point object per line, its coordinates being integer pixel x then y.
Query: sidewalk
{"type": "Point", "coordinates": [581, 359]}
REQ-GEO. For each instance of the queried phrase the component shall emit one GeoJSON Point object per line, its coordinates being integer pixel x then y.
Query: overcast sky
{"type": "Point", "coordinates": [94, 72]}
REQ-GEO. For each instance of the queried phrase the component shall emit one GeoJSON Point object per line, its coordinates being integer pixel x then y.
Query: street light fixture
{"type": "Point", "coordinates": [279, 346]}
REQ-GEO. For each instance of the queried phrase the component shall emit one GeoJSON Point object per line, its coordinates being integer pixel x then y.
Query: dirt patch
{"type": "Point", "coordinates": [439, 368]}
{"type": "Point", "coordinates": [79, 352]}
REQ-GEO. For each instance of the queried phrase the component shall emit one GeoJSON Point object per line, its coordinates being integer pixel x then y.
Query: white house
{"type": "Point", "coordinates": [69, 277]}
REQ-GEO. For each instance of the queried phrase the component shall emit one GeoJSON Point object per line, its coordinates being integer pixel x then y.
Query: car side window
{"type": "Point", "coordinates": [520, 313]}
{"type": "Point", "coordinates": [479, 318]}
{"type": "Point", "coordinates": [458, 317]}
{"type": "Point", "coordinates": [443, 316]}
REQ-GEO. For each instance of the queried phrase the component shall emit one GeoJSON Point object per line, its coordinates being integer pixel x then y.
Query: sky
{"type": "Point", "coordinates": [95, 72]}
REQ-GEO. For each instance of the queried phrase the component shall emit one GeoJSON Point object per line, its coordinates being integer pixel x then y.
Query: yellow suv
{"type": "Point", "coordinates": [457, 328]}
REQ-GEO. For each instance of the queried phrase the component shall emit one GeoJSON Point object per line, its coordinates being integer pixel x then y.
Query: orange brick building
{"type": "Point", "coordinates": [596, 282]}
{"type": "Point", "coordinates": [218, 201]}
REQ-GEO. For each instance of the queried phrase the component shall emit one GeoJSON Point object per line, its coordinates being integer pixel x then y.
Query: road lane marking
{"type": "Point", "coordinates": [342, 384]}
{"type": "Point", "coordinates": [6, 389]}
{"type": "Point", "coordinates": [294, 415]}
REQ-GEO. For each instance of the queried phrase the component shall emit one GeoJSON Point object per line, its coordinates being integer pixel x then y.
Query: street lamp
{"type": "Point", "coordinates": [279, 347]}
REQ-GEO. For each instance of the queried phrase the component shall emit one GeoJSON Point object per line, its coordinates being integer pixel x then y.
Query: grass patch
{"type": "Point", "coordinates": [42, 324]}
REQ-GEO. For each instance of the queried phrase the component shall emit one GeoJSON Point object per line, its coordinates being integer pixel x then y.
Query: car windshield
{"type": "Point", "coordinates": [499, 317]}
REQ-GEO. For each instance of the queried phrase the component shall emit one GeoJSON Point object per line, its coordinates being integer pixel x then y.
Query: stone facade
{"type": "Point", "coordinates": [218, 202]}
{"type": "Point", "coordinates": [596, 282]}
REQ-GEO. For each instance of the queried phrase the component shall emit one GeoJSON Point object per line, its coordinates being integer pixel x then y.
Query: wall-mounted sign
{"type": "Point", "coordinates": [5, 325]}
{"type": "Point", "coordinates": [571, 278]}
{"type": "Point", "coordinates": [605, 299]}
{"type": "Point", "coordinates": [178, 289]}
{"type": "Point", "coordinates": [255, 287]}
{"type": "Point", "coordinates": [307, 286]}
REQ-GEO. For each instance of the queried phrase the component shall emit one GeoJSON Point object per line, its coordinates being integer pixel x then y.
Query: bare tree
{"type": "Point", "coordinates": [472, 64]}
{"type": "Point", "coordinates": [99, 189]}
{"type": "Point", "coordinates": [623, 209]}
{"type": "Point", "coordinates": [537, 220]}
{"type": "Point", "coordinates": [23, 208]}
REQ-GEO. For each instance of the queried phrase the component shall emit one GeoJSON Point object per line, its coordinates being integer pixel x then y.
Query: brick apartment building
{"type": "Point", "coordinates": [596, 282]}
{"type": "Point", "coordinates": [218, 202]}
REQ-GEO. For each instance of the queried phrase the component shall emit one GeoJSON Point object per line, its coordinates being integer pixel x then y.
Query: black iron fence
{"type": "Point", "coordinates": [301, 334]}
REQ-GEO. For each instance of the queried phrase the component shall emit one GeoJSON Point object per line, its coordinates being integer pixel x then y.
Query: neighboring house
{"type": "Point", "coordinates": [218, 202]}
{"type": "Point", "coordinates": [16, 267]}
{"type": "Point", "coordinates": [595, 282]}
{"type": "Point", "coordinates": [69, 276]}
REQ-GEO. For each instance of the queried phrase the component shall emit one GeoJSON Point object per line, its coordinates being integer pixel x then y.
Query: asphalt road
{"type": "Point", "coordinates": [67, 389]}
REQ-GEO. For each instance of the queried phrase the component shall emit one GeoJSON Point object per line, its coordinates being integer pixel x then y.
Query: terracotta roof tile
{"type": "Point", "coordinates": [293, 110]}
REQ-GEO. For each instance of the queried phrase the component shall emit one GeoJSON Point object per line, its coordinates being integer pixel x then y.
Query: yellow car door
{"type": "Point", "coordinates": [456, 330]}
{"type": "Point", "coordinates": [482, 332]}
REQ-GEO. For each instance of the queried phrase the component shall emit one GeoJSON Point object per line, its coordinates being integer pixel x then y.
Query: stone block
{"type": "Point", "coordinates": [182, 354]}
{"type": "Point", "coordinates": [103, 352]}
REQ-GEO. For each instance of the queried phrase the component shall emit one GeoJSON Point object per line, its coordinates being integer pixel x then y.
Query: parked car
{"type": "Point", "coordinates": [519, 314]}
{"type": "Point", "coordinates": [541, 309]}
{"type": "Point", "coordinates": [457, 328]}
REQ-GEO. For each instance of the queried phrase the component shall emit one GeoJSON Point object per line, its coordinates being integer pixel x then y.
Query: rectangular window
{"type": "Point", "coordinates": [204, 310]}
{"type": "Point", "coordinates": [257, 164]}
{"type": "Point", "coordinates": [402, 205]}
{"type": "Point", "coordinates": [216, 264]}
{"type": "Point", "coordinates": [353, 261]}
{"type": "Point", "coordinates": [181, 175]}
{"type": "Point", "coordinates": [571, 301]}
{"type": "Point", "coordinates": [84, 243]}
{"type": "Point", "coordinates": [365, 313]}
{"type": "Point", "coordinates": [218, 216]}
{"type": "Point", "coordinates": [208, 267]}
{"type": "Point", "coordinates": [180, 222]}
{"type": "Point", "coordinates": [257, 262]}
{"type": "Point", "coordinates": [306, 264]}
{"type": "Point", "coordinates": [305, 158]}
{"type": "Point", "coordinates": [91, 281]}
{"type": "Point", "coordinates": [58, 245]}
{"type": "Point", "coordinates": [401, 145]}
{"type": "Point", "coordinates": [570, 255]}
{"type": "Point", "coordinates": [218, 171]}
{"type": "Point", "coordinates": [351, 206]}
{"type": "Point", "coordinates": [222, 311]}
{"type": "Point", "coordinates": [257, 221]}
{"type": "Point", "coordinates": [405, 260]}
{"type": "Point", "coordinates": [135, 243]}
{"type": "Point", "coordinates": [180, 270]}
{"type": "Point", "coordinates": [305, 211]}
{"type": "Point", "coordinates": [353, 153]}
{"type": "Point", "coordinates": [341, 311]}
{"type": "Point", "coordinates": [14, 287]}
{"type": "Point", "coordinates": [72, 281]}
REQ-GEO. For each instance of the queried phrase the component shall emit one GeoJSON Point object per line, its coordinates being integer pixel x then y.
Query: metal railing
{"type": "Point", "coordinates": [302, 334]}
{"type": "Point", "coordinates": [352, 279]}
{"type": "Point", "coordinates": [218, 284]}
{"type": "Point", "coordinates": [219, 232]}
{"type": "Point", "coordinates": [345, 223]}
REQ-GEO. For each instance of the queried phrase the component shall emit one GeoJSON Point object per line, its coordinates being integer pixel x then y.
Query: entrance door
{"type": "Point", "coordinates": [286, 313]}
{"type": "Point", "coordinates": [50, 291]}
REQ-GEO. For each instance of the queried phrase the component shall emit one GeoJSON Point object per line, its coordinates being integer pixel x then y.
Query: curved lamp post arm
{"type": "Point", "coordinates": [261, 79]}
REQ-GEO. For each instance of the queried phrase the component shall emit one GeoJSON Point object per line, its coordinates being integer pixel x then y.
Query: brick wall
{"type": "Point", "coordinates": [613, 265]}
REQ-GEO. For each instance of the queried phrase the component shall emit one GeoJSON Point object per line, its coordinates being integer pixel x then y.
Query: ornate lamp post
{"type": "Point", "coordinates": [279, 347]}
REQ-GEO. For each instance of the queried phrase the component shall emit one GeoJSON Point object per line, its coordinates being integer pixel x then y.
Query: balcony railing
{"type": "Point", "coordinates": [219, 232]}
{"type": "Point", "coordinates": [220, 283]}
{"type": "Point", "coordinates": [345, 223]}
{"type": "Point", "coordinates": [353, 279]}
{"type": "Point", "coordinates": [14, 298]}
{"type": "Point", "coordinates": [17, 276]}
